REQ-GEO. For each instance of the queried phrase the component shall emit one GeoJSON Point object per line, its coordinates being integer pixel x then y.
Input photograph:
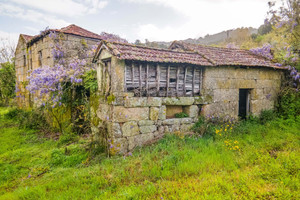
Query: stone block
{"type": "Point", "coordinates": [162, 112]}
{"type": "Point", "coordinates": [267, 83]}
{"type": "Point", "coordinates": [103, 112]}
{"type": "Point", "coordinates": [147, 129]}
{"type": "Point", "coordinates": [226, 95]}
{"type": "Point", "coordinates": [166, 129]}
{"type": "Point", "coordinates": [130, 129]}
{"type": "Point", "coordinates": [154, 101]}
{"type": "Point", "coordinates": [204, 99]}
{"type": "Point", "coordinates": [128, 94]}
{"type": "Point", "coordinates": [186, 127]}
{"type": "Point", "coordinates": [252, 74]}
{"type": "Point", "coordinates": [135, 102]}
{"type": "Point", "coordinates": [139, 140]}
{"type": "Point", "coordinates": [186, 120]}
{"type": "Point", "coordinates": [223, 83]}
{"type": "Point", "coordinates": [192, 110]}
{"type": "Point", "coordinates": [158, 123]}
{"type": "Point", "coordinates": [246, 84]}
{"type": "Point", "coordinates": [178, 101]}
{"type": "Point", "coordinates": [161, 129]}
{"type": "Point", "coordinates": [114, 129]}
{"type": "Point", "coordinates": [157, 134]}
{"type": "Point", "coordinates": [154, 112]}
{"type": "Point", "coordinates": [145, 122]}
{"type": "Point", "coordinates": [175, 127]}
{"type": "Point", "coordinates": [210, 82]}
{"type": "Point", "coordinates": [212, 72]}
{"type": "Point", "coordinates": [119, 101]}
{"type": "Point", "coordinates": [171, 121]}
{"type": "Point", "coordinates": [257, 93]}
{"type": "Point", "coordinates": [122, 114]}
{"type": "Point", "coordinates": [121, 145]}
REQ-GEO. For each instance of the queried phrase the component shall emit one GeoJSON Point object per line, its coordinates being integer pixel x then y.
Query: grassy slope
{"type": "Point", "coordinates": [267, 167]}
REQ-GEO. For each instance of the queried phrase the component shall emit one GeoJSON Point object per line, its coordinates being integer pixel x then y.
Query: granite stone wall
{"type": "Point", "coordinates": [223, 84]}
{"type": "Point", "coordinates": [134, 121]}
{"type": "Point", "coordinates": [140, 120]}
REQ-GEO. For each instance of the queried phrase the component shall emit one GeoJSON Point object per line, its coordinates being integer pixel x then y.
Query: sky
{"type": "Point", "coordinates": [155, 20]}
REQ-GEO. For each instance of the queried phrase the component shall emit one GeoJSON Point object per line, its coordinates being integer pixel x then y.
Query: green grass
{"type": "Point", "coordinates": [266, 167]}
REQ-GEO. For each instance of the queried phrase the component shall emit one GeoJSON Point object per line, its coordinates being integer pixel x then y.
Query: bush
{"type": "Point", "coordinates": [13, 113]}
{"type": "Point", "coordinates": [29, 119]}
{"type": "Point", "coordinates": [288, 103]}
{"type": "Point", "coordinates": [203, 126]}
{"type": "Point", "coordinates": [267, 115]}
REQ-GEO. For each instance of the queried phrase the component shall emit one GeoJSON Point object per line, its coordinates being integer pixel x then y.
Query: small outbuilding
{"type": "Point", "coordinates": [144, 90]}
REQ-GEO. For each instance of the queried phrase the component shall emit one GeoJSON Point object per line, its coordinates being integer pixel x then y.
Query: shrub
{"type": "Point", "coordinates": [13, 113]}
{"type": "Point", "coordinates": [181, 115]}
{"type": "Point", "coordinates": [288, 102]}
{"type": "Point", "coordinates": [267, 115]}
{"type": "Point", "coordinates": [29, 119]}
{"type": "Point", "coordinates": [203, 126]}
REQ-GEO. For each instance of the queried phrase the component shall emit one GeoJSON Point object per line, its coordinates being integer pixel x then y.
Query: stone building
{"type": "Point", "coordinates": [142, 89]}
{"type": "Point", "coordinates": [33, 52]}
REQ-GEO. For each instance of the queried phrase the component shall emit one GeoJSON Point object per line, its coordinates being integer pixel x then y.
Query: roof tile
{"type": "Point", "coordinates": [140, 53]}
{"type": "Point", "coordinates": [225, 56]}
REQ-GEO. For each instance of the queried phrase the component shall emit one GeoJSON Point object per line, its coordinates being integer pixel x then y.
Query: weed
{"type": "Point", "coordinates": [177, 167]}
{"type": "Point", "coordinates": [181, 115]}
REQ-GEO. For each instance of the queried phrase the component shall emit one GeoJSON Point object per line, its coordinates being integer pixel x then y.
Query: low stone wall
{"type": "Point", "coordinates": [134, 121]}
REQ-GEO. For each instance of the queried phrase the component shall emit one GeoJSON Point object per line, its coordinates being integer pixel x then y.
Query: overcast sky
{"type": "Point", "coordinates": [156, 20]}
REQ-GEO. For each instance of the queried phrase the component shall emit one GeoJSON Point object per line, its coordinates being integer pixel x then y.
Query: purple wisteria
{"type": "Point", "coordinates": [295, 75]}
{"type": "Point", "coordinates": [264, 51]}
{"type": "Point", "coordinates": [47, 83]}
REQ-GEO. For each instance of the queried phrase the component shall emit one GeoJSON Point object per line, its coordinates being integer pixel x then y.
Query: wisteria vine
{"type": "Point", "coordinates": [47, 83]}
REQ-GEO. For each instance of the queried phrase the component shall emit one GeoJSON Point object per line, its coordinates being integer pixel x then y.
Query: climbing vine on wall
{"type": "Point", "coordinates": [60, 88]}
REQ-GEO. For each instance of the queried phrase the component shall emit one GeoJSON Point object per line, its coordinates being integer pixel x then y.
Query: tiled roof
{"type": "Point", "coordinates": [27, 37]}
{"type": "Point", "coordinates": [225, 56]}
{"type": "Point", "coordinates": [76, 30]}
{"type": "Point", "coordinates": [140, 53]}
{"type": "Point", "coordinates": [186, 53]}
{"type": "Point", "coordinates": [71, 29]}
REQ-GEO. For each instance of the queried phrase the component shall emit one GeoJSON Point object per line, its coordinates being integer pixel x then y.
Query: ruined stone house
{"type": "Point", "coordinates": [33, 52]}
{"type": "Point", "coordinates": [143, 88]}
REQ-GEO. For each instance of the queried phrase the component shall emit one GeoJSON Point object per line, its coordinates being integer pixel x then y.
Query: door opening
{"type": "Point", "coordinates": [244, 103]}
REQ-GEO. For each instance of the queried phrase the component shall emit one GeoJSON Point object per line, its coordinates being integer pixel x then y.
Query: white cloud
{"type": "Point", "coordinates": [31, 15]}
{"type": "Point", "coordinates": [68, 8]}
{"type": "Point", "coordinates": [204, 17]}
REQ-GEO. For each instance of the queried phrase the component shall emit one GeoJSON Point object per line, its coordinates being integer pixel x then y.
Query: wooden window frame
{"type": "Point", "coordinates": [171, 80]}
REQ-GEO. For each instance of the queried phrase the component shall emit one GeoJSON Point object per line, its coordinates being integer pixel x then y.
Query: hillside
{"type": "Point", "coordinates": [214, 39]}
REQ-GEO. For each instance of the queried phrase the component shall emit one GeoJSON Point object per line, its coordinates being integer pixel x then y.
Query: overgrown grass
{"type": "Point", "coordinates": [266, 167]}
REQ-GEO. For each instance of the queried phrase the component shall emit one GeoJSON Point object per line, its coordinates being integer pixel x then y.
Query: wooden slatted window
{"type": "Point", "coordinates": [162, 80]}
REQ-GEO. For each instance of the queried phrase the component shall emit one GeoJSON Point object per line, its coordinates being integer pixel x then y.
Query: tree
{"type": "Point", "coordinates": [7, 82]}
{"type": "Point", "coordinates": [265, 28]}
{"type": "Point", "coordinates": [7, 50]}
{"type": "Point", "coordinates": [287, 18]}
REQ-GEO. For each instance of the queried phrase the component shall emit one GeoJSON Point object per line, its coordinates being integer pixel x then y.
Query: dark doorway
{"type": "Point", "coordinates": [244, 103]}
